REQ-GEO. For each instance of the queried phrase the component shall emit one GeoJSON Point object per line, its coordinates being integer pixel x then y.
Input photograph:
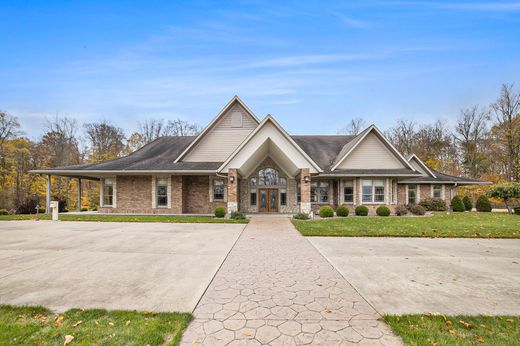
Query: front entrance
{"type": "Point", "coordinates": [268, 200]}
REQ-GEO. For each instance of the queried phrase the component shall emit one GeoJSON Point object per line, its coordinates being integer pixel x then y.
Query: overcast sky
{"type": "Point", "coordinates": [313, 65]}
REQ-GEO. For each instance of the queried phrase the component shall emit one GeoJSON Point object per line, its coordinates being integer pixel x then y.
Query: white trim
{"type": "Point", "coordinates": [417, 193]}
{"type": "Point", "coordinates": [214, 121]}
{"type": "Point", "coordinates": [342, 191]}
{"type": "Point", "coordinates": [169, 191]}
{"type": "Point", "coordinates": [269, 118]}
{"type": "Point", "coordinates": [114, 193]}
{"type": "Point", "coordinates": [442, 190]}
{"type": "Point", "coordinates": [154, 192]}
{"type": "Point", "coordinates": [383, 138]}
{"type": "Point", "coordinates": [422, 164]}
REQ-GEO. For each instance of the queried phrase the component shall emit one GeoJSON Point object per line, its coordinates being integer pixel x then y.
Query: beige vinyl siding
{"type": "Point", "coordinates": [371, 153]}
{"type": "Point", "coordinates": [418, 167]}
{"type": "Point", "coordinates": [221, 140]}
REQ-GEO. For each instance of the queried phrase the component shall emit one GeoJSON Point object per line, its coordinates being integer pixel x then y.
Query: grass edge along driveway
{"type": "Point", "coordinates": [434, 329]}
{"type": "Point", "coordinates": [125, 218]}
{"type": "Point", "coordinates": [39, 326]}
{"type": "Point", "coordinates": [441, 224]}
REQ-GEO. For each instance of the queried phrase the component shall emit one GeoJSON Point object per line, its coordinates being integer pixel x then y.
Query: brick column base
{"type": "Point", "coordinates": [232, 191]}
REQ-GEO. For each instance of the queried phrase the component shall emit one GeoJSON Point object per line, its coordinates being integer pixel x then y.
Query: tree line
{"type": "Point", "coordinates": [65, 142]}
{"type": "Point", "coordinates": [483, 144]}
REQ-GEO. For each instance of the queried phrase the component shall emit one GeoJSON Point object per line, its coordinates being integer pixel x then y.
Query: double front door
{"type": "Point", "coordinates": [268, 200]}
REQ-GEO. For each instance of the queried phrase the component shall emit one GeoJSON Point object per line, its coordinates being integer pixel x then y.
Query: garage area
{"type": "Point", "coordinates": [142, 266]}
{"type": "Point", "coordinates": [418, 275]}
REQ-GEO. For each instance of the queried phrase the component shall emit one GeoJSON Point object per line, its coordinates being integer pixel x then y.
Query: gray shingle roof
{"type": "Point", "coordinates": [441, 177]}
{"type": "Point", "coordinates": [322, 149]}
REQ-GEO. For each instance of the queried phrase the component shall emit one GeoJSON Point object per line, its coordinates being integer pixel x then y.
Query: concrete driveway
{"type": "Point", "coordinates": [416, 275]}
{"type": "Point", "coordinates": [143, 266]}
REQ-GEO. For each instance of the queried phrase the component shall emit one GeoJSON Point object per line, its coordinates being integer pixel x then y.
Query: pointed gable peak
{"type": "Point", "coordinates": [349, 147]}
{"type": "Point", "coordinates": [421, 164]}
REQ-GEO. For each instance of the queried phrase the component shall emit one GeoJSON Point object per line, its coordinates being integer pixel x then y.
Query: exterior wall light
{"type": "Point", "coordinates": [232, 179]}
{"type": "Point", "coordinates": [306, 179]}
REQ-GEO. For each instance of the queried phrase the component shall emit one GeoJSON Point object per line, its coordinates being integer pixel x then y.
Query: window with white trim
{"type": "Point", "coordinates": [108, 192]}
{"type": "Point", "coordinates": [283, 197]}
{"type": "Point", "coordinates": [412, 194]}
{"type": "Point", "coordinates": [298, 192]}
{"type": "Point", "coordinates": [437, 191]}
{"type": "Point", "coordinates": [373, 190]}
{"type": "Point", "coordinates": [218, 190]}
{"type": "Point", "coordinates": [348, 192]}
{"type": "Point", "coordinates": [161, 191]}
{"type": "Point", "coordinates": [320, 192]}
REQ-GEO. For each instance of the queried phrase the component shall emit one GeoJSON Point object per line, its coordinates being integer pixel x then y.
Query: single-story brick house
{"type": "Point", "coordinates": [243, 163]}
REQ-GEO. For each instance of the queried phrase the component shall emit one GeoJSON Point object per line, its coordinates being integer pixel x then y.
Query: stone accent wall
{"type": "Point", "coordinates": [232, 190]}
{"type": "Point", "coordinates": [196, 195]}
{"type": "Point", "coordinates": [305, 191]}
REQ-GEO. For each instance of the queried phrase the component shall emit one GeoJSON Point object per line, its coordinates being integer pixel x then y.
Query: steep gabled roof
{"type": "Point", "coordinates": [227, 107]}
{"type": "Point", "coordinates": [269, 119]}
{"type": "Point", "coordinates": [415, 158]}
{"type": "Point", "coordinates": [351, 146]}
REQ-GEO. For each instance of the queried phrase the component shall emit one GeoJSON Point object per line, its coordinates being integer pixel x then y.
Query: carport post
{"type": "Point", "coordinates": [48, 195]}
{"type": "Point", "coordinates": [79, 194]}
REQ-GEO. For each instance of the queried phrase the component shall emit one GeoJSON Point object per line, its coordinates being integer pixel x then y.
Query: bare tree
{"type": "Point", "coordinates": [107, 141]}
{"type": "Point", "coordinates": [9, 128]}
{"type": "Point", "coordinates": [60, 141]}
{"type": "Point", "coordinates": [179, 127]}
{"type": "Point", "coordinates": [354, 128]}
{"type": "Point", "coordinates": [402, 136]}
{"type": "Point", "coordinates": [151, 129]}
{"type": "Point", "coordinates": [472, 130]}
{"type": "Point", "coordinates": [506, 110]}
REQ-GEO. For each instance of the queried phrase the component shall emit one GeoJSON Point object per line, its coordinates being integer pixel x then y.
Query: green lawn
{"type": "Point", "coordinates": [456, 330]}
{"type": "Point", "coordinates": [39, 326]}
{"type": "Point", "coordinates": [441, 224]}
{"type": "Point", "coordinates": [126, 218]}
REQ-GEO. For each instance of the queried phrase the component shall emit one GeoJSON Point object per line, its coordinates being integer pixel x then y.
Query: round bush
{"type": "Point", "coordinates": [383, 210]}
{"type": "Point", "coordinates": [483, 204]}
{"type": "Point", "coordinates": [433, 204]}
{"type": "Point", "coordinates": [301, 216]}
{"type": "Point", "coordinates": [457, 205]}
{"type": "Point", "coordinates": [361, 210]}
{"type": "Point", "coordinates": [516, 210]}
{"type": "Point", "coordinates": [416, 209]}
{"type": "Point", "coordinates": [84, 209]}
{"type": "Point", "coordinates": [4, 212]}
{"type": "Point", "coordinates": [326, 211]}
{"type": "Point", "coordinates": [401, 210]}
{"type": "Point", "coordinates": [237, 215]}
{"type": "Point", "coordinates": [220, 212]}
{"type": "Point", "coordinates": [342, 210]}
{"type": "Point", "coordinates": [468, 205]}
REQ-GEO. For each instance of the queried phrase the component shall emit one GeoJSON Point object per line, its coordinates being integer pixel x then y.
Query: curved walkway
{"type": "Point", "coordinates": [275, 288]}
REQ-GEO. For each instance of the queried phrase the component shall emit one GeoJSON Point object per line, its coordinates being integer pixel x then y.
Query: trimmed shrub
{"type": "Point", "coordinates": [416, 209]}
{"type": "Point", "coordinates": [41, 210]}
{"type": "Point", "coordinates": [301, 216]}
{"type": "Point", "coordinates": [84, 209]}
{"type": "Point", "coordinates": [483, 205]}
{"type": "Point", "coordinates": [433, 204]}
{"type": "Point", "coordinates": [383, 210]}
{"type": "Point", "coordinates": [94, 209]}
{"type": "Point", "coordinates": [237, 215]}
{"type": "Point", "coordinates": [4, 212]}
{"type": "Point", "coordinates": [401, 210]}
{"type": "Point", "coordinates": [220, 212]}
{"type": "Point", "coordinates": [28, 205]}
{"type": "Point", "coordinates": [457, 205]}
{"type": "Point", "coordinates": [516, 210]}
{"type": "Point", "coordinates": [468, 205]}
{"type": "Point", "coordinates": [326, 211]}
{"type": "Point", "coordinates": [342, 210]}
{"type": "Point", "coordinates": [361, 210]}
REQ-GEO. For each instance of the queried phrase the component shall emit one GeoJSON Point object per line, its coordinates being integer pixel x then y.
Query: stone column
{"type": "Point", "coordinates": [48, 195]}
{"type": "Point", "coordinates": [177, 202]}
{"type": "Point", "coordinates": [305, 186]}
{"type": "Point", "coordinates": [79, 194]}
{"type": "Point", "coordinates": [232, 190]}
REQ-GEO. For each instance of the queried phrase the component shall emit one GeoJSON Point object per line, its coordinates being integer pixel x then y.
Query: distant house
{"type": "Point", "coordinates": [243, 163]}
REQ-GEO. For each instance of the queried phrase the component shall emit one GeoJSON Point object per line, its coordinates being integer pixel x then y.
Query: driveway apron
{"type": "Point", "coordinates": [275, 288]}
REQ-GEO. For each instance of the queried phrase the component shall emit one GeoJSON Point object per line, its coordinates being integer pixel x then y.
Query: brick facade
{"type": "Point", "coordinates": [193, 194]}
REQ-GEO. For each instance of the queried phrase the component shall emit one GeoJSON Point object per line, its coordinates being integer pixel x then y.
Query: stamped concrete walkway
{"type": "Point", "coordinates": [275, 288]}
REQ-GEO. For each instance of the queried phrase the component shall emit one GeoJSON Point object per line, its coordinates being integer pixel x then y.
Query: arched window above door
{"type": "Point", "coordinates": [268, 176]}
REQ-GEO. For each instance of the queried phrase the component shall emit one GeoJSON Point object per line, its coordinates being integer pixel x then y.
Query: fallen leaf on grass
{"type": "Point", "coordinates": [479, 338]}
{"type": "Point", "coordinates": [127, 323]}
{"type": "Point", "coordinates": [96, 322]}
{"type": "Point", "coordinates": [449, 323]}
{"type": "Point", "coordinates": [77, 324]}
{"type": "Point", "coordinates": [510, 320]}
{"type": "Point", "coordinates": [485, 326]}
{"type": "Point", "coordinates": [68, 339]}
{"type": "Point", "coordinates": [466, 324]}
{"type": "Point", "coordinates": [110, 324]}
{"type": "Point", "coordinates": [453, 332]}
{"type": "Point", "coordinates": [58, 321]}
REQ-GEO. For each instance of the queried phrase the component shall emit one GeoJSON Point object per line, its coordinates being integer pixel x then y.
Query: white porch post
{"type": "Point", "coordinates": [48, 195]}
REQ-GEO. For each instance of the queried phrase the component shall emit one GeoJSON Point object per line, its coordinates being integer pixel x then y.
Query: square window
{"type": "Point", "coordinates": [218, 190]}
{"type": "Point", "coordinates": [162, 192]}
{"type": "Point", "coordinates": [348, 192]}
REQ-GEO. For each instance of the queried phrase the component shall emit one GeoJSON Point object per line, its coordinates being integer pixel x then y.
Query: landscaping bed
{"type": "Point", "coordinates": [431, 329]}
{"type": "Point", "coordinates": [441, 224]}
{"type": "Point", "coordinates": [126, 218]}
{"type": "Point", "coordinates": [40, 326]}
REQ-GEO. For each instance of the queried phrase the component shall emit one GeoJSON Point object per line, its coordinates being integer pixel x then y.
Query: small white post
{"type": "Point", "coordinates": [48, 195]}
{"type": "Point", "coordinates": [55, 209]}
